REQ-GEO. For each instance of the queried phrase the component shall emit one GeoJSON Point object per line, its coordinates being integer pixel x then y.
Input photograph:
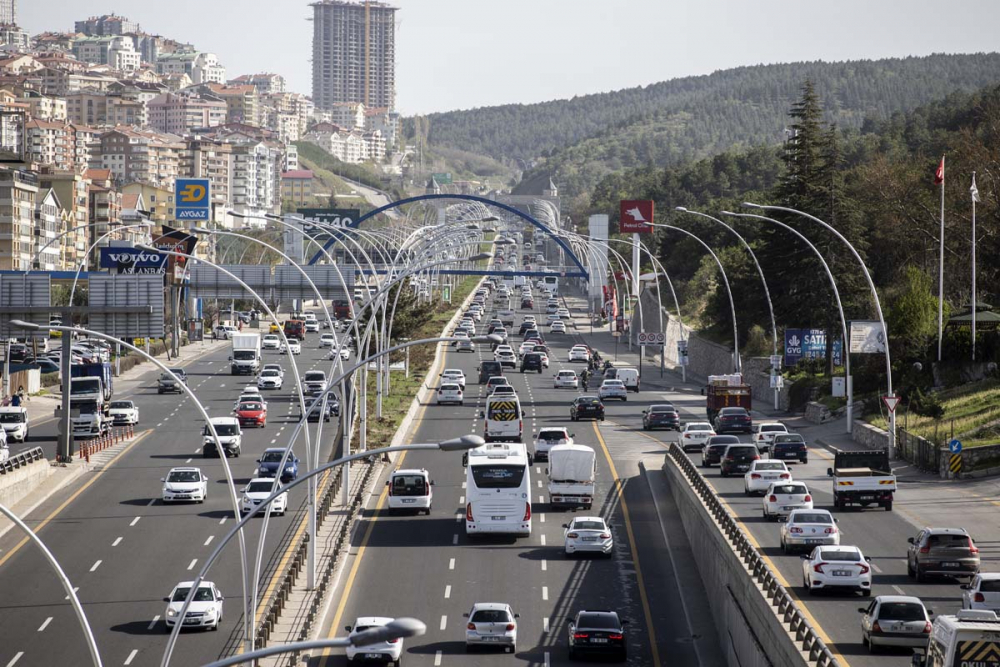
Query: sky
{"type": "Point", "coordinates": [459, 54]}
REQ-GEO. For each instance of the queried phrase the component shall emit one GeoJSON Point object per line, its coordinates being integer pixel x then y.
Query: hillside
{"type": "Point", "coordinates": [671, 122]}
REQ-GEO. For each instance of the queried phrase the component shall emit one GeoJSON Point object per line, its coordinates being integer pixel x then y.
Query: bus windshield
{"type": "Point", "coordinates": [498, 475]}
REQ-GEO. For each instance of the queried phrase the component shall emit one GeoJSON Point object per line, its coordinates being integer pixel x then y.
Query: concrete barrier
{"type": "Point", "coordinates": [18, 483]}
{"type": "Point", "coordinates": [757, 620]}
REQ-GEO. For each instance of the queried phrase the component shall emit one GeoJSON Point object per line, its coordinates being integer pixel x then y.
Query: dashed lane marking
{"type": "Point", "coordinates": [117, 541]}
{"type": "Point", "coordinates": [96, 565]}
{"type": "Point", "coordinates": [447, 591]}
{"type": "Point", "coordinates": [152, 624]}
{"type": "Point", "coordinates": [45, 624]}
{"type": "Point", "coordinates": [15, 659]}
{"type": "Point", "coordinates": [131, 657]}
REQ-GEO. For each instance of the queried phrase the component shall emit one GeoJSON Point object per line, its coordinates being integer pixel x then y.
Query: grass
{"type": "Point", "coordinates": [966, 408]}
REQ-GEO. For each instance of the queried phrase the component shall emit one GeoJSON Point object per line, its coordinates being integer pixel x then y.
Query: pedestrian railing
{"type": "Point", "coordinates": [21, 459]}
{"type": "Point", "coordinates": [918, 451]}
{"type": "Point", "coordinates": [805, 635]}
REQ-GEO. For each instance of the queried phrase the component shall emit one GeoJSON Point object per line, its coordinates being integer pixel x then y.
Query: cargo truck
{"type": "Point", "coordinates": [90, 390]}
{"type": "Point", "coordinates": [571, 473]}
{"type": "Point", "coordinates": [725, 391]}
{"type": "Point", "coordinates": [245, 358]}
{"type": "Point", "coordinates": [862, 478]}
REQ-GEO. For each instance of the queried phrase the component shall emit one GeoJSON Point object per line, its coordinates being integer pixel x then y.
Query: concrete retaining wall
{"type": "Point", "coordinates": [18, 483]}
{"type": "Point", "coordinates": [757, 374]}
{"type": "Point", "coordinates": [817, 413]}
{"type": "Point", "coordinates": [870, 436]}
{"type": "Point", "coordinates": [752, 633]}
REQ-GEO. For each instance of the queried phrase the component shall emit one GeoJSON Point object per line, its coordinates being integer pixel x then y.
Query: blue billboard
{"type": "Point", "coordinates": [809, 344]}
{"type": "Point", "coordinates": [191, 199]}
{"type": "Point", "coordinates": [133, 260]}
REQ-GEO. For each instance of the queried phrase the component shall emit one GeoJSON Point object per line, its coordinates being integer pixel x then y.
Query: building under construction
{"type": "Point", "coordinates": [354, 53]}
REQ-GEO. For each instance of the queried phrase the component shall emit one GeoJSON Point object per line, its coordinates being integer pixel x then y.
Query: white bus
{"type": "Point", "coordinates": [498, 488]}
{"type": "Point", "coordinates": [552, 283]}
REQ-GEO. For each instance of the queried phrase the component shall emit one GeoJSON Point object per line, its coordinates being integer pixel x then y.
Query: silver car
{"type": "Point", "coordinates": [567, 379]}
{"type": "Point", "coordinates": [805, 529]}
{"type": "Point", "coordinates": [588, 534]}
{"type": "Point", "coordinates": [491, 624]}
{"type": "Point", "coordinates": [612, 389]}
{"type": "Point", "coordinates": [895, 620]}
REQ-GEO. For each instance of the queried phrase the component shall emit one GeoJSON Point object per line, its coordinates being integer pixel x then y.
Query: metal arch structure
{"type": "Point", "coordinates": [582, 273]}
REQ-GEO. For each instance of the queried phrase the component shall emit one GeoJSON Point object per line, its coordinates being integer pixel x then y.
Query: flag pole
{"type": "Point", "coordinates": [941, 268]}
{"type": "Point", "coordinates": [975, 198]}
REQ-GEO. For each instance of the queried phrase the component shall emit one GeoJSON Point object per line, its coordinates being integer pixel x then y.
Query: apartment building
{"type": "Point", "coordinates": [18, 197]}
{"type": "Point", "coordinates": [104, 211]}
{"type": "Point", "coordinates": [73, 192]}
{"type": "Point", "coordinates": [256, 185]}
{"type": "Point", "coordinates": [115, 51]}
{"type": "Point", "coordinates": [50, 143]}
{"type": "Point", "coordinates": [265, 83]}
{"type": "Point", "coordinates": [47, 251]}
{"type": "Point", "coordinates": [140, 155]}
{"type": "Point", "coordinates": [199, 66]}
{"type": "Point", "coordinates": [121, 111]}
{"type": "Point", "coordinates": [242, 102]}
{"type": "Point", "coordinates": [109, 24]}
{"type": "Point", "coordinates": [181, 113]}
{"type": "Point", "coordinates": [61, 83]}
{"type": "Point", "coordinates": [211, 159]}
{"type": "Point", "coordinates": [158, 201]}
{"type": "Point", "coordinates": [42, 107]}
{"type": "Point", "coordinates": [297, 186]}
{"type": "Point", "coordinates": [8, 11]}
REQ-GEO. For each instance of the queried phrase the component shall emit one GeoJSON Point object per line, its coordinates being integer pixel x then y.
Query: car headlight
{"type": "Point", "coordinates": [246, 500]}
{"type": "Point", "coordinates": [289, 470]}
{"type": "Point", "coordinates": [263, 469]}
{"type": "Point", "coordinates": [171, 612]}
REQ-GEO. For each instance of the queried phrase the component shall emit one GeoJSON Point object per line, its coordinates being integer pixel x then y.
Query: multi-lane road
{"type": "Point", "coordinates": [125, 549]}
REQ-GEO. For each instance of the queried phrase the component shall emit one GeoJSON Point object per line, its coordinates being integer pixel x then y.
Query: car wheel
{"type": "Point", "coordinates": [397, 662]}
{"type": "Point", "coordinates": [866, 592]}
{"type": "Point", "coordinates": [921, 577]}
{"type": "Point", "coordinates": [871, 647]}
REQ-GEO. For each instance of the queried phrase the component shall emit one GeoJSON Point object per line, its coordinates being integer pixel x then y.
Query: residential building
{"type": "Point", "coordinates": [62, 83]}
{"type": "Point", "coordinates": [87, 145]}
{"type": "Point", "coordinates": [351, 146]}
{"type": "Point", "coordinates": [12, 133]}
{"type": "Point", "coordinates": [50, 143]}
{"type": "Point", "coordinates": [47, 252]}
{"type": "Point", "coordinates": [374, 146]}
{"type": "Point", "coordinates": [87, 107]}
{"type": "Point", "coordinates": [138, 90]}
{"type": "Point", "coordinates": [296, 104]}
{"type": "Point", "coordinates": [8, 11]}
{"type": "Point", "coordinates": [297, 186]}
{"type": "Point", "coordinates": [54, 41]}
{"type": "Point", "coordinates": [350, 63]}
{"type": "Point", "coordinates": [72, 189]}
{"type": "Point", "coordinates": [158, 201]}
{"type": "Point", "coordinates": [181, 113]}
{"type": "Point", "coordinates": [60, 59]}
{"type": "Point", "coordinates": [19, 63]}
{"type": "Point", "coordinates": [242, 102]}
{"type": "Point", "coordinates": [386, 122]}
{"type": "Point", "coordinates": [121, 111]}
{"type": "Point", "coordinates": [199, 66]}
{"type": "Point", "coordinates": [13, 35]}
{"type": "Point", "coordinates": [18, 196]}
{"type": "Point", "coordinates": [211, 159]}
{"type": "Point", "coordinates": [115, 51]}
{"type": "Point", "coordinates": [176, 82]}
{"type": "Point", "coordinates": [146, 156]}
{"type": "Point", "coordinates": [105, 211]}
{"type": "Point", "coordinates": [349, 115]}
{"type": "Point", "coordinates": [109, 24]}
{"type": "Point", "coordinates": [265, 83]}
{"type": "Point", "coordinates": [256, 186]}
{"type": "Point", "coordinates": [291, 158]}
{"type": "Point", "coordinates": [43, 107]}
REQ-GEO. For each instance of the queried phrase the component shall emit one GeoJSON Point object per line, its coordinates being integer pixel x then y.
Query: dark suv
{"type": "Point", "coordinates": [733, 419]}
{"type": "Point", "coordinates": [598, 633]}
{"type": "Point", "coordinates": [586, 407]}
{"type": "Point", "coordinates": [532, 361]}
{"type": "Point", "coordinates": [716, 445]}
{"type": "Point", "coordinates": [790, 446]}
{"type": "Point", "coordinates": [942, 551]}
{"type": "Point", "coordinates": [488, 369]}
{"type": "Point", "coordinates": [661, 416]}
{"type": "Point", "coordinates": [737, 459]}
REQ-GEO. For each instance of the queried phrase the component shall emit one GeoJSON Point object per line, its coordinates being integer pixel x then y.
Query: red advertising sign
{"type": "Point", "coordinates": [635, 216]}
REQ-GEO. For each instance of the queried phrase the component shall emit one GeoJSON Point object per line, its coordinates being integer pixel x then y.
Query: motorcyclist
{"type": "Point", "coordinates": [585, 376]}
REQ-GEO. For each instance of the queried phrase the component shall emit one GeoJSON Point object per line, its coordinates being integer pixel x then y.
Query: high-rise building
{"type": "Point", "coordinates": [8, 12]}
{"type": "Point", "coordinates": [354, 53]}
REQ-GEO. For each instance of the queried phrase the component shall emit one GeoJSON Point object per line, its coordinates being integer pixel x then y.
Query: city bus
{"type": "Point", "coordinates": [498, 488]}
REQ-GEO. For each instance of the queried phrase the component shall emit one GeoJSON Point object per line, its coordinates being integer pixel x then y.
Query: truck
{"type": "Point", "coordinates": [245, 358]}
{"type": "Point", "coordinates": [91, 387]}
{"type": "Point", "coordinates": [970, 638]}
{"type": "Point", "coordinates": [571, 474]}
{"type": "Point", "coordinates": [862, 478]}
{"type": "Point", "coordinates": [725, 391]}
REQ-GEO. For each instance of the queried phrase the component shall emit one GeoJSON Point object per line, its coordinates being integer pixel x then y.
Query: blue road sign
{"type": "Point", "coordinates": [955, 446]}
{"type": "Point", "coordinates": [192, 201]}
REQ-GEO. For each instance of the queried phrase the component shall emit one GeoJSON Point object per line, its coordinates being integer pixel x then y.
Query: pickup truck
{"type": "Point", "coordinates": [571, 474]}
{"type": "Point", "coordinates": [862, 478]}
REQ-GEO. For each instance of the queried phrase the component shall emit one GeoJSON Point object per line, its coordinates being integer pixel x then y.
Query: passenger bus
{"type": "Point", "coordinates": [498, 488]}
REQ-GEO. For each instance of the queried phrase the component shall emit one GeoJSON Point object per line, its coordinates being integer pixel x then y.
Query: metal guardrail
{"type": "Point", "coordinates": [807, 638]}
{"type": "Point", "coordinates": [21, 459]}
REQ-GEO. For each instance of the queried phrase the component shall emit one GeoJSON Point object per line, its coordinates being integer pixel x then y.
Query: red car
{"type": "Point", "coordinates": [252, 414]}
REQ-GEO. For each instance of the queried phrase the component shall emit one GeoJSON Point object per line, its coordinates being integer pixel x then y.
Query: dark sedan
{"type": "Point", "coordinates": [586, 407]}
{"type": "Point", "coordinates": [661, 416]}
{"type": "Point", "coordinates": [733, 419]}
{"type": "Point", "coordinates": [715, 448]}
{"type": "Point", "coordinates": [791, 446]}
{"type": "Point", "coordinates": [597, 633]}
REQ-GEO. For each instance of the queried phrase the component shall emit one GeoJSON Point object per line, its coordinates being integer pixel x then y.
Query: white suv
{"type": "Point", "coordinates": [548, 438]}
{"type": "Point", "coordinates": [410, 489]}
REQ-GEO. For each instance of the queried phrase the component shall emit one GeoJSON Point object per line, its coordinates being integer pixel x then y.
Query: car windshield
{"type": "Point", "coordinates": [224, 429]}
{"type": "Point", "coordinates": [989, 585]}
{"type": "Point", "coordinates": [270, 374]}
{"type": "Point", "coordinates": [12, 418]}
{"type": "Point", "coordinates": [450, 387]}
{"type": "Point", "coordinates": [767, 465]}
{"type": "Point", "coordinates": [204, 594]}
{"type": "Point", "coordinates": [567, 374]}
{"type": "Point", "coordinates": [790, 489]}
{"type": "Point", "coordinates": [724, 440]}
{"type": "Point", "coordinates": [261, 487]}
{"type": "Point", "coordinates": [250, 407]}
{"type": "Point", "coordinates": [275, 457]}
{"type": "Point", "coordinates": [121, 405]}
{"type": "Point", "coordinates": [490, 616]}
{"type": "Point", "coordinates": [840, 554]}
{"type": "Point", "coordinates": [699, 427]}
{"type": "Point", "coordinates": [787, 439]}
{"type": "Point", "coordinates": [588, 525]}
{"type": "Point", "coordinates": [498, 475]}
{"type": "Point", "coordinates": [552, 435]}
{"type": "Point", "coordinates": [184, 476]}
{"type": "Point", "coordinates": [733, 412]}
{"type": "Point", "coordinates": [598, 622]}
{"type": "Point", "coordinates": [179, 372]}
{"type": "Point", "coordinates": [771, 428]}
{"type": "Point", "coordinates": [901, 611]}
{"type": "Point", "coordinates": [315, 376]}
{"type": "Point", "coordinates": [589, 400]}
{"type": "Point", "coordinates": [408, 485]}
{"type": "Point", "coordinates": [812, 518]}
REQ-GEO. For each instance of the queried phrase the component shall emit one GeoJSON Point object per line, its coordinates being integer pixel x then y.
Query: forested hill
{"type": "Point", "coordinates": [674, 121]}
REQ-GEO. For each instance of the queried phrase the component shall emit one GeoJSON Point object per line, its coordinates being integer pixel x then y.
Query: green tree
{"type": "Point", "coordinates": [912, 316]}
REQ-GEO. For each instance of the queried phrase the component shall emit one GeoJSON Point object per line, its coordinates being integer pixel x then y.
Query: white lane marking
{"type": "Point", "coordinates": [152, 624]}
{"type": "Point", "coordinates": [461, 500]}
{"type": "Point", "coordinates": [545, 565]}
{"type": "Point", "coordinates": [898, 589]}
{"type": "Point", "coordinates": [45, 624]}
{"type": "Point", "coordinates": [454, 538]}
{"type": "Point", "coordinates": [539, 484]}
{"type": "Point", "coordinates": [451, 564]}
{"type": "Point", "coordinates": [151, 502]}
{"type": "Point", "coordinates": [447, 591]}
{"type": "Point", "coordinates": [437, 658]}
{"type": "Point", "coordinates": [188, 461]}
{"type": "Point", "coordinates": [77, 588]}
{"type": "Point", "coordinates": [134, 521]}
{"type": "Point", "coordinates": [541, 499]}
{"type": "Point", "coordinates": [223, 520]}
{"type": "Point", "coordinates": [274, 441]}
{"type": "Point", "coordinates": [95, 565]}
{"type": "Point", "coordinates": [545, 624]}
{"type": "Point", "coordinates": [543, 540]}
{"type": "Point", "coordinates": [117, 541]}
{"type": "Point", "coordinates": [159, 425]}
{"type": "Point", "coordinates": [15, 659]}
{"type": "Point", "coordinates": [463, 485]}
{"type": "Point", "coordinates": [444, 622]}
{"type": "Point", "coordinates": [876, 568]}
{"type": "Point", "coordinates": [545, 592]}
{"type": "Point", "coordinates": [222, 385]}
{"type": "Point", "coordinates": [131, 657]}
{"type": "Point", "coordinates": [209, 540]}
{"type": "Point", "coordinates": [541, 517]}
{"type": "Point", "coordinates": [191, 566]}
{"type": "Point", "coordinates": [459, 516]}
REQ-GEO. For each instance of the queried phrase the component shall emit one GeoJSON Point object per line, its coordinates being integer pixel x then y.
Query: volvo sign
{"type": "Point", "coordinates": [133, 261]}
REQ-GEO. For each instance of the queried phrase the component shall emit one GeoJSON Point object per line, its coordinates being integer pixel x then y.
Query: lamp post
{"type": "Point", "coordinates": [878, 308]}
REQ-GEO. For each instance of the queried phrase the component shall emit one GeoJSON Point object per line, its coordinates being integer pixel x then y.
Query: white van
{"type": "Point", "coordinates": [960, 639]}
{"type": "Point", "coordinates": [503, 419]}
{"type": "Point", "coordinates": [627, 374]}
{"type": "Point", "coordinates": [410, 489]}
{"type": "Point", "coordinates": [230, 437]}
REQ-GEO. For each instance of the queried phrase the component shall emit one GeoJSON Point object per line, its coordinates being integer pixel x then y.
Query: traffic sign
{"type": "Point", "coordinates": [891, 402]}
{"type": "Point", "coordinates": [955, 446]}
{"type": "Point", "coordinates": [652, 339]}
{"type": "Point", "coordinates": [192, 199]}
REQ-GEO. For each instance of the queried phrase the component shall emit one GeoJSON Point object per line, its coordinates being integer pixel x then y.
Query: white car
{"type": "Point", "coordinates": [500, 349]}
{"type": "Point", "coordinates": [763, 434]}
{"type": "Point", "coordinates": [455, 375]}
{"type": "Point", "coordinates": [270, 342]}
{"type": "Point", "coordinates": [344, 352]}
{"type": "Point", "coordinates": [558, 327]}
{"type": "Point", "coordinates": [612, 389]}
{"type": "Point", "coordinates": [529, 318]}
{"type": "Point", "coordinates": [293, 347]}
{"type": "Point", "coordinates": [274, 367]}
{"type": "Point", "coordinates": [579, 353]}
{"type": "Point", "coordinates": [695, 435]}
{"type": "Point", "coordinates": [503, 390]}
{"type": "Point", "coordinates": [563, 312]}
{"type": "Point", "coordinates": [257, 491]}
{"type": "Point", "coordinates": [185, 484]}
{"type": "Point", "coordinates": [450, 393]}
{"type": "Point", "coordinates": [327, 340]}
{"type": "Point", "coordinates": [545, 360]}
{"type": "Point", "coordinates": [983, 592]}
{"type": "Point", "coordinates": [270, 379]}
{"type": "Point", "coordinates": [553, 317]}
{"type": "Point", "coordinates": [381, 652]}
{"type": "Point", "coordinates": [837, 567]}
{"type": "Point", "coordinates": [459, 335]}
{"type": "Point", "coordinates": [548, 437]}
{"type": "Point", "coordinates": [566, 379]}
{"type": "Point", "coordinates": [588, 534]}
{"type": "Point", "coordinates": [312, 326]}
{"type": "Point", "coordinates": [491, 624]}
{"type": "Point", "coordinates": [809, 528]}
{"type": "Point", "coordinates": [526, 346]}
{"type": "Point", "coordinates": [122, 413]}
{"type": "Point", "coordinates": [250, 397]}
{"type": "Point", "coordinates": [205, 610]}
{"type": "Point", "coordinates": [783, 497]}
{"type": "Point", "coordinates": [763, 474]}
{"type": "Point", "coordinates": [506, 358]}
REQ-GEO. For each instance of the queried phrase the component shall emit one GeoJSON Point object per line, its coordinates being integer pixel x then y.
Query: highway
{"type": "Point", "coordinates": [125, 550]}
{"type": "Point", "coordinates": [426, 566]}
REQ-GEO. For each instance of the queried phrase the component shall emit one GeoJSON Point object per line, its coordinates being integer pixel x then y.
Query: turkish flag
{"type": "Point", "coordinates": [939, 174]}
